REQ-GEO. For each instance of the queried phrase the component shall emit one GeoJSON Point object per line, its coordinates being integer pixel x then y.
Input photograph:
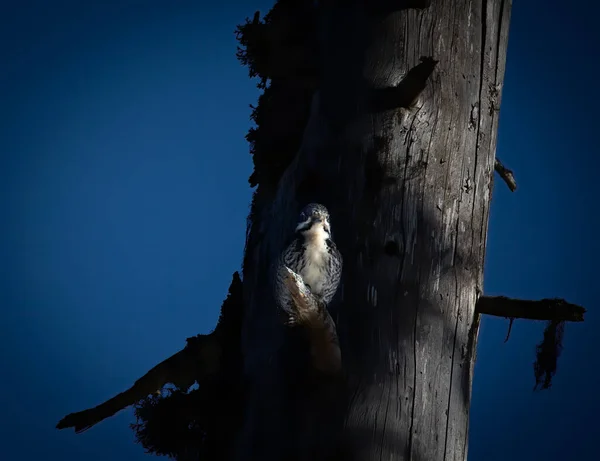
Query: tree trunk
{"type": "Point", "coordinates": [400, 146]}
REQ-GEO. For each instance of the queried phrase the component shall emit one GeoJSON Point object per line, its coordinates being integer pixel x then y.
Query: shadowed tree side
{"type": "Point", "coordinates": [385, 112]}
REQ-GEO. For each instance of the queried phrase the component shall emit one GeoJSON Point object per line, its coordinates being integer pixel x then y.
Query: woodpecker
{"type": "Point", "coordinates": [313, 256]}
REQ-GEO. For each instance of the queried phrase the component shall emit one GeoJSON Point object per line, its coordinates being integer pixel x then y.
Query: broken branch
{"type": "Point", "coordinates": [320, 327]}
{"type": "Point", "coordinates": [543, 309]}
{"type": "Point", "coordinates": [203, 356]}
{"type": "Point", "coordinates": [506, 174]}
{"type": "Point", "coordinates": [199, 358]}
{"type": "Point", "coordinates": [407, 91]}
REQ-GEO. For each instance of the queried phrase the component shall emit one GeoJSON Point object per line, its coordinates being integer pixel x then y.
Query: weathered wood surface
{"type": "Point", "coordinates": [409, 190]}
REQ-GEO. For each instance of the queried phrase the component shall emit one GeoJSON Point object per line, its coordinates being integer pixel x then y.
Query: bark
{"type": "Point", "coordinates": [400, 147]}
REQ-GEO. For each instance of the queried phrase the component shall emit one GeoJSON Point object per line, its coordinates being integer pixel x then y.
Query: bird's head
{"type": "Point", "coordinates": [314, 219]}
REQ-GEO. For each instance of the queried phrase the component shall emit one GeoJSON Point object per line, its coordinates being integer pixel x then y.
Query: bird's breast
{"type": "Point", "coordinates": [314, 270]}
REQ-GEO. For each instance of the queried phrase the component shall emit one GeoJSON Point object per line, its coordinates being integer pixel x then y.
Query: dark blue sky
{"type": "Point", "coordinates": [124, 194]}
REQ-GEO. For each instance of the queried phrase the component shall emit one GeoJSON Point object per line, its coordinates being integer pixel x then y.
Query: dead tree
{"type": "Point", "coordinates": [387, 113]}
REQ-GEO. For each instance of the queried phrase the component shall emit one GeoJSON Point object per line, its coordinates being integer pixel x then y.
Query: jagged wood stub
{"type": "Point", "coordinates": [507, 175]}
{"type": "Point", "coordinates": [409, 191]}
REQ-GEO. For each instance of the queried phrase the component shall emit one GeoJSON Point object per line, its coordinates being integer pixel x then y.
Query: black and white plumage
{"type": "Point", "coordinates": [313, 256]}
